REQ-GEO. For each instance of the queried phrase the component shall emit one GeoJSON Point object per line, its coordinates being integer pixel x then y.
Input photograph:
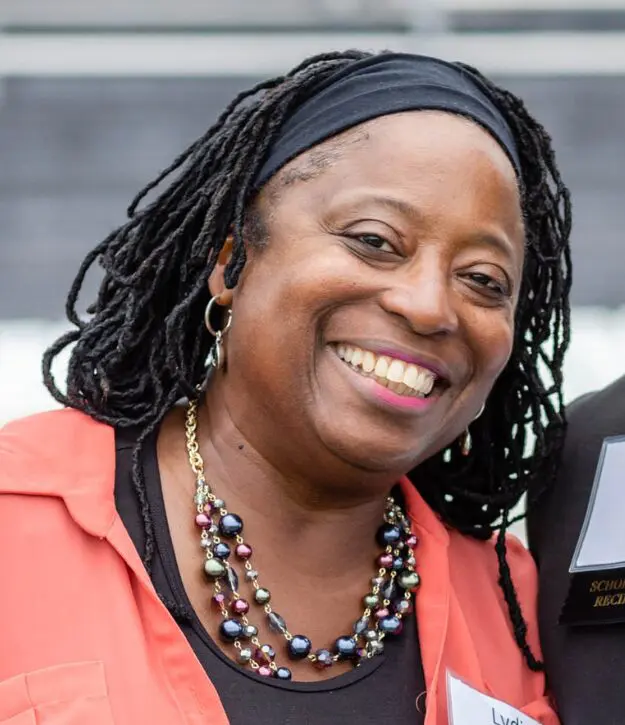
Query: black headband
{"type": "Point", "coordinates": [380, 85]}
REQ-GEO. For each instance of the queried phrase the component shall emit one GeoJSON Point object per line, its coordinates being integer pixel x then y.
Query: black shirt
{"type": "Point", "coordinates": [383, 689]}
{"type": "Point", "coordinates": [585, 665]}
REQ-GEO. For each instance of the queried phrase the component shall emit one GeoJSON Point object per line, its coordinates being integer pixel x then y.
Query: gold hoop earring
{"type": "Point", "coordinates": [216, 356]}
{"type": "Point", "coordinates": [466, 440]}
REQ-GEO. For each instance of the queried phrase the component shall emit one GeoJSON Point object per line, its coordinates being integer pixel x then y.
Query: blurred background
{"type": "Point", "coordinates": [95, 98]}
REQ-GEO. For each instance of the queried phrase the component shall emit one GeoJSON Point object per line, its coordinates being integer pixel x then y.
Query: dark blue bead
{"type": "Point", "coordinates": [390, 625]}
{"type": "Point", "coordinates": [299, 647]}
{"type": "Point", "coordinates": [345, 648]}
{"type": "Point", "coordinates": [398, 563]}
{"type": "Point", "coordinates": [388, 535]}
{"type": "Point", "coordinates": [230, 629]}
{"type": "Point", "coordinates": [361, 625]}
{"type": "Point", "coordinates": [283, 673]}
{"type": "Point", "coordinates": [221, 551]}
{"type": "Point", "coordinates": [230, 525]}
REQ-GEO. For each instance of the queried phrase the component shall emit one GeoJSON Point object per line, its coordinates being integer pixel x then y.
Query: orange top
{"type": "Point", "coordinates": [84, 638]}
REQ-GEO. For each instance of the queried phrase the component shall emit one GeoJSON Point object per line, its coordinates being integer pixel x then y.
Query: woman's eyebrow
{"type": "Point", "coordinates": [500, 243]}
{"type": "Point", "coordinates": [393, 203]}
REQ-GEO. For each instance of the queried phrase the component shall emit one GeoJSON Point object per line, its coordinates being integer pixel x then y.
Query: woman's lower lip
{"type": "Point", "coordinates": [399, 401]}
{"type": "Point", "coordinates": [371, 387]}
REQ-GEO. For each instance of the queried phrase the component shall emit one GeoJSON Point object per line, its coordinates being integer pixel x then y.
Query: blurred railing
{"type": "Point", "coordinates": [530, 5]}
{"type": "Point", "coordinates": [28, 15]}
{"type": "Point", "coordinates": [238, 14]}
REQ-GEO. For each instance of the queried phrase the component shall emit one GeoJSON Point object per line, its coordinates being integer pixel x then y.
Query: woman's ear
{"type": "Point", "coordinates": [216, 282]}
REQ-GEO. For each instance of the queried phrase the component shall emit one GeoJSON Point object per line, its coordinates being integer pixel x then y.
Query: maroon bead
{"type": "Point", "coordinates": [381, 613]}
{"type": "Point", "coordinates": [264, 655]}
{"type": "Point", "coordinates": [385, 560]}
{"type": "Point", "coordinates": [219, 600]}
{"type": "Point", "coordinates": [240, 606]}
{"type": "Point", "coordinates": [324, 659]}
{"type": "Point", "coordinates": [202, 520]}
{"type": "Point", "coordinates": [259, 656]}
{"type": "Point", "coordinates": [265, 671]}
{"type": "Point", "coordinates": [243, 551]}
{"type": "Point", "coordinates": [412, 541]}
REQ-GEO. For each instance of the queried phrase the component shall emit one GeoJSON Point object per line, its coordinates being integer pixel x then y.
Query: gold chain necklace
{"type": "Point", "coordinates": [389, 599]}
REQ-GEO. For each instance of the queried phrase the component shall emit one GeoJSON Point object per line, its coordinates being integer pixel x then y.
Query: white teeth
{"type": "Point", "coordinates": [420, 380]}
{"type": "Point", "coordinates": [400, 377]}
{"type": "Point", "coordinates": [396, 371]}
{"type": "Point", "coordinates": [427, 385]}
{"type": "Point", "coordinates": [411, 376]}
{"type": "Point", "coordinates": [368, 362]}
{"type": "Point", "coordinates": [381, 367]}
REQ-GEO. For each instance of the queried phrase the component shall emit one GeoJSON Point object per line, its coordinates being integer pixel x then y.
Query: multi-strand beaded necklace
{"type": "Point", "coordinates": [389, 598]}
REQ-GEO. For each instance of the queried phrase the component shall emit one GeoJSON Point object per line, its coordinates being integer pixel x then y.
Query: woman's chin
{"type": "Point", "coordinates": [381, 454]}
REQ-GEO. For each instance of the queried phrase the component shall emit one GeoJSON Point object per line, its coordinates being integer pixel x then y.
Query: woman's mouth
{"type": "Point", "coordinates": [400, 377]}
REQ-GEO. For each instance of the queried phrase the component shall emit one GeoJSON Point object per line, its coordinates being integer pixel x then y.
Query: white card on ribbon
{"type": "Point", "coordinates": [468, 706]}
{"type": "Point", "coordinates": [601, 544]}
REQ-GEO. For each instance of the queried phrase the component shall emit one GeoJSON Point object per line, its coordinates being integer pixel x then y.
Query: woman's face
{"type": "Point", "coordinates": [374, 321]}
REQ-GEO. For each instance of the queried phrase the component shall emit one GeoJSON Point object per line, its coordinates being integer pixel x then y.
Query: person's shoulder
{"type": "Point", "coordinates": [46, 434]}
{"type": "Point", "coordinates": [610, 397]}
{"type": "Point", "coordinates": [44, 423]}
{"type": "Point", "coordinates": [34, 451]}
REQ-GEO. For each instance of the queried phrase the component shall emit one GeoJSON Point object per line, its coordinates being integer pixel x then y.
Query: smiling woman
{"type": "Point", "coordinates": [378, 248]}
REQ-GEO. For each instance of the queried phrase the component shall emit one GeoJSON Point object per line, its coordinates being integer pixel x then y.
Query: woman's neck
{"type": "Point", "coordinates": [321, 515]}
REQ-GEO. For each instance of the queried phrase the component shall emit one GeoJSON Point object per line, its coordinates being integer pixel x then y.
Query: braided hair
{"type": "Point", "coordinates": [138, 351]}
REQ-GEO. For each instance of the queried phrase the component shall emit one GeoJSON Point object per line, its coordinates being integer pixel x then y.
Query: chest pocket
{"type": "Point", "coordinates": [67, 694]}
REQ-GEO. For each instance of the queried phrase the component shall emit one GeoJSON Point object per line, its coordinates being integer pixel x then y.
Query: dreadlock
{"type": "Point", "coordinates": [139, 350]}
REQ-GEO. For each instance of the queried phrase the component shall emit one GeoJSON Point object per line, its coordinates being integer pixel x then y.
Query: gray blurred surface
{"type": "Point", "coordinates": [73, 152]}
{"type": "Point", "coordinates": [24, 14]}
{"type": "Point", "coordinates": [309, 14]}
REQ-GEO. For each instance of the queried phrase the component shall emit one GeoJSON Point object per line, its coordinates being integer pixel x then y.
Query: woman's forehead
{"type": "Point", "coordinates": [400, 139]}
{"type": "Point", "coordinates": [423, 157]}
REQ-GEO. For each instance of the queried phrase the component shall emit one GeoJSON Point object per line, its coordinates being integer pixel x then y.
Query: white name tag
{"type": "Point", "coordinates": [602, 541]}
{"type": "Point", "coordinates": [470, 707]}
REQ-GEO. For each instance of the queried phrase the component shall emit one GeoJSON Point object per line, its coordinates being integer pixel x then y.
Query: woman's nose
{"type": "Point", "coordinates": [423, 296]}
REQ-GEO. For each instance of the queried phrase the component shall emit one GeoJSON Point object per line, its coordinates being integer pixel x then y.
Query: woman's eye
{"type": "Point", "coordinates": [375, 241]}
{"type": "Point", "coordinates": [490, 283]}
